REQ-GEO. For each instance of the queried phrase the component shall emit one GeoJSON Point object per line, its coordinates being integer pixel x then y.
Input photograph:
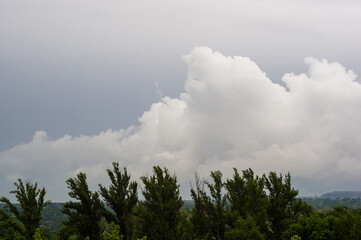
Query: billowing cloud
{"type": "Point", "coordinates": [229, 115]}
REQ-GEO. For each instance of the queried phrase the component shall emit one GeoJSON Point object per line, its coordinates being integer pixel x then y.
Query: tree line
{"type": "Point", "coordinates": [245, 206]}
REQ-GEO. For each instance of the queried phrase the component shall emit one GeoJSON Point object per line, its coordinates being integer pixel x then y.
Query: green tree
{"type": "Point", "coordinates": [114, 233]}
{"type": "Point", "coordinates": [84, 215]}
{"type": "Point", "coordinates": [283, 208]}
{"type": "Point", "coordinates": [122, 197]}
{"type": "Point", "coordinates": [247, 197]}
{"type": "Point", "coordinates": [185, 231]}
{"type": "Point", "coordinates": [217, 204]}
{"type": "Point", "coordinates": [245, 229]}
{"type": "Point", "coordinates": [356, 233]}
{"type": "Point", "coordinates": [346, 225]}
{"type": "Point", "coordinates": [159, 213]}
{"type": "Point", "coordinates": [209, 212]}
{"type": "Point", "coordinates": [339, 223]}
{"type": "Point", "coordinates": [37, 235]}
{"type": "Point", "coordinates": [31, 201]}
{"type": "Point", "coordinates": [200, 215]}
{"type": "Point", "coordinates": [311, 227]}
{"type": "Point", "coordinates": [13, 230]}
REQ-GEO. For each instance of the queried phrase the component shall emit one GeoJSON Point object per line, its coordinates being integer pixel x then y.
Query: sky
{"type": "Point", "coordinates": [188, 85]}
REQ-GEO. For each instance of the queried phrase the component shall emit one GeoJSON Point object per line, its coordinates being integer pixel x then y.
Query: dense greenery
{"type": "Point", "coordinates": [159, 212]}
{"type": "Point", "coordinates": [248, 200]}
{"type": "Point", "coordinates": [245, 206]}
{"type": "Point", "coordinates": [283, 206]}
{"type": "Point", "coordinates": [121, 197]}
{"type": "Point", "coordinates": [31, 202]}
{"type": "Point", "coordinates": [84, 215]}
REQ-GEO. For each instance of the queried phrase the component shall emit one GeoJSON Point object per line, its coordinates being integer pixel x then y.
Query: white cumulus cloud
{"type": "Point", "coordinates": [229, 115]}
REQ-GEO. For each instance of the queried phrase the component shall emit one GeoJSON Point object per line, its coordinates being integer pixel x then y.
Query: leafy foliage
{"type": "Point", "coordinates": [247, 197]}
{"type": "Point", "coordinates": [114, 234]}
{"type": "Point", "coordinates": [200, 216]}
{"type": "Point", "coordinates": [85, 215]}
{"type": "Point", "coordinates": [122, 197]}
{"type": "Point", "coordinates": [209, 213]}
{"type": "Point", "coordinates": [37, 235]}
{"type": "Point", "coordinates": [13, 230]}
{"type": "Point", "coordinates": [159, 213]}
{"type": "Point", "coordinates": [184, 228]}
{"type": "Point", "coordinates": [284, 207]}
{"type": "Point", "coordinates": [216, 204]}
{"type": "Point", "coordinates": [243, 207]}
{"type": "Point", "coordinates": [295, 237]}
{"type": "Point", "coordinates": [245, 229]}
{"type": "Point", "coordinates": [311, 227]}
{"type": "Point", "coordinates": [338, 223]}
{"type": "Point", "coordinates": [31, 201]}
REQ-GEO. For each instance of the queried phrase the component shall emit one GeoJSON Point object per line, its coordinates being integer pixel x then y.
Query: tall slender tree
{"type": "Point", "coordinates": [284, 207]}
{"type": "Point", "coordinates": [209, 212]}
{"type": "Point", "coordinates": [31, 201]}
{"type": "Point", "coordinates": [200, 215]}
{"type": "Point", "coordinates": [122, 197]}
{"type": "Point", "coordinates": [217, 205]}
{"type": "Point", "coordinates": [159, 213]}
{"type": "Point", "coordinates": [84, 215]}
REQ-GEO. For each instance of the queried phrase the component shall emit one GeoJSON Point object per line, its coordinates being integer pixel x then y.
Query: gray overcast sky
{"type": "Point", "coordinates": [81, 67]}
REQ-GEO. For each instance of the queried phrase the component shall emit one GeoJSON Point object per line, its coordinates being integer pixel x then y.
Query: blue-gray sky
{"type": "Point", "coordinates": [78, 68]}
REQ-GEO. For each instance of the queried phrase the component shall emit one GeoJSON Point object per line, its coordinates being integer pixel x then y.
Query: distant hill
{"type": "Point", "coordinates": [342, 194]}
